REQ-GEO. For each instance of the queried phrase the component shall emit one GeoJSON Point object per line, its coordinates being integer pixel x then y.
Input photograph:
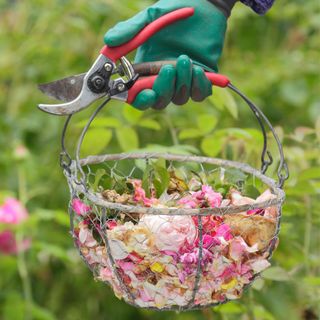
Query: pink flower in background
{"type": "Point", "coordinates": [20, 152]}
{"type": "Point", "coordinates": [8, 244]}
{"type": "Point", "coordinates": [80, 208]}
{"type": "Point", "coordinates": [12, 212]}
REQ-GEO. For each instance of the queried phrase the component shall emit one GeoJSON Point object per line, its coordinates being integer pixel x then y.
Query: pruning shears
{"type": "Point", "coordinates": [80, 91]}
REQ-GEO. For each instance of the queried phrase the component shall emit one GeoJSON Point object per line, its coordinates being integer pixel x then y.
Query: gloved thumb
{"type": "Point", "coordinates": [126, 30]}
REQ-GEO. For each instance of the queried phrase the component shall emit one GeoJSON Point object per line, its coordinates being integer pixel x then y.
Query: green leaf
{"type": "Point", "coordinates": [217, 99]}
{"type": "Point", "coordinates": [312, 281]}
{"type": "Point", "coordinates": [52, 250]}
{"type": "Point", "coordinates": [149, 124]}
{"type": "Point", "coordinates": [132, 115]}
{"type": "Point", "coordinates": [158, 186]}
{"type": "Point", "coordinates": [103, 122]}
{"type": "Point", "coordinates": [318, 128]}
{"type": "Point", "coordinates": [127, 138]}
{"type": "Point", "coordinates": [62, 218]}
{"type": "Point", "coordinates": [40, 313]}
{"type": "Point", "coordinates": [237, 133]}
{"type": "Point", "coordinates": [276, 274]}
{"type": "Point", "coordinates": [206, 123]}
{"type": "Point", "coordinates": [163, 178]}
{"type": "Point", "coordinates": [147, 179]}
{"type": "Point", "coordinates": [212, 145]}
{"type": "Point", "coordinates": [310, 174]}
{"type": "Point", "coordinates": [14, 307]}
{"type": "Point", "coordinates": [234, 176]}
{"type": "Point", "coordinates": [5, 194]}
{"type": "Point", "coordinates": [98, 176]}
{"type": "Point", "coordinates": [59, 216]}
{"type": "Point", "coordinates": [176, 149]}
{"type": "Point", "coordinates": [251, 191]}
{"type": "Point", "coordinates": [258, 284]}
{"type": "Point", "coordinates": [230, 308]}
{"type": "Point", "coordinates": [223, 99]}
{"type": "Point", "coordinates": [118, 182]}
{"type": "Point", "coordinates": [302, 187]}
{"type": "Point", "coordinates": [95, 141]}
{"type": "Point", "coordinates": [189, 134]}
{"type": "Point", "coordinates": [261, 313]}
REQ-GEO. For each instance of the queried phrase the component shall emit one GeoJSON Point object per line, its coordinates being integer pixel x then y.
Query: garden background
{"type": "Point", "coordinates": [274, 59]}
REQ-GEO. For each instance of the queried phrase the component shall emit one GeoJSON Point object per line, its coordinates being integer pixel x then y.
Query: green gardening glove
{"type": "Point", "coordinates": [199, 38]}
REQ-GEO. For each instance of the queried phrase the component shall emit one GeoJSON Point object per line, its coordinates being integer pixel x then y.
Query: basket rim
{"type": "Point", "coordinates": [97, 198]}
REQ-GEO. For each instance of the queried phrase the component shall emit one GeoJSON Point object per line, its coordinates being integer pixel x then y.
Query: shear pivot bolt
{"type": "Point", "coordinates": [121, 87]}
{"type": "Point", "coordinates": [98, 82]}
{"type": "Point", "coordinates": [108, 67]}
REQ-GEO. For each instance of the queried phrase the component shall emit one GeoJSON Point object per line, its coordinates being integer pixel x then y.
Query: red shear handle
{"type": "Point", "coordinates": [216, 79]}
{"type": "Point", "coordinates": [115, 53]}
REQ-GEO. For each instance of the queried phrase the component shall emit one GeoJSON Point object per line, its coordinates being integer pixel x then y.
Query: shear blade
{"type": "Point", "coordinates": [83, 99]}
{"type": "Point", "coordinates": [66, 89]}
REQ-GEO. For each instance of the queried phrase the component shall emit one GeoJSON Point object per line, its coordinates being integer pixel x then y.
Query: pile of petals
{"type": "Point", "coordinates": [165, 261]}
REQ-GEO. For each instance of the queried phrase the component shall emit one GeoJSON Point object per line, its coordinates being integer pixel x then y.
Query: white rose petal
{"type": "Point", "coordinates": [118, 249]}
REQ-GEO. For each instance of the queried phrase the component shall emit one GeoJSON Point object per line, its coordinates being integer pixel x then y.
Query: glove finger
{"type": "Point", "coordinates": [183, 80]}
{"type": "Point", "coordinates": [201, 86]}
{"type": "Point", "coordinates": [145, 100]}
{"type": "Point", "coordinates": [164, 86]}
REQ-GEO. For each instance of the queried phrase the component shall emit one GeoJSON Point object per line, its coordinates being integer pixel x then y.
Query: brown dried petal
{"type": "Point", "coordinates": [113, 196]}
{"type": "Point", "coordinates": [253, 229]}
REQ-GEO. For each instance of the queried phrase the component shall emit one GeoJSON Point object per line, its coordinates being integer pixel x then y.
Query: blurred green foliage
{"type": "Point", "coordinates": [274, 59]}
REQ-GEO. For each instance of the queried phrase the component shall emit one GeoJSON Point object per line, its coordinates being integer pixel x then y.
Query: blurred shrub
{"type": "Point", "coordinates": [273, 59]}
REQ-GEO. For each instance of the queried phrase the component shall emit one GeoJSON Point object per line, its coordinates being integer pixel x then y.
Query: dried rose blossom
{"type": "Point", "coordinates": [170, 232]}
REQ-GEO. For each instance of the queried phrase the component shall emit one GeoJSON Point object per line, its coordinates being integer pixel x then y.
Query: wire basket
{"type": "Point", "coordinates": [181, 244]}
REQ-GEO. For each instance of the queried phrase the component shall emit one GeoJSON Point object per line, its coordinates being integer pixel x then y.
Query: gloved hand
{"type": "Point", "coordinates": [199, 37]}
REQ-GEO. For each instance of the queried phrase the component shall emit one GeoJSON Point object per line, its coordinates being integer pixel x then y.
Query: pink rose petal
{"type": "Point", "coordinates": [80, 208]}
{"type": "Point", "coordinates": [224, 231]}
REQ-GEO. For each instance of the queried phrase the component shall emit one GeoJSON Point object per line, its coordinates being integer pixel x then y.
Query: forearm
{"type": "Point", "coordinates": [259, 6]}
{"type": "Point", "coordinates": [224, 5]}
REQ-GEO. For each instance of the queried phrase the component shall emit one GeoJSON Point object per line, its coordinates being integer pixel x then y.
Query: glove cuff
{"type": "Point", "coordinates": [225, 6]}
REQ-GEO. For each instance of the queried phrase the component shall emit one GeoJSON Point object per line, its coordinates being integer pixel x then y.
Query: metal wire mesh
{"type": "Point", "coordinates": [118, 241]}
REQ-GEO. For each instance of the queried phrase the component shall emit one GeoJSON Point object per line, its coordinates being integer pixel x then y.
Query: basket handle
{"type": "Point", "coordinates": [266, 158]}
{"type": "Point", "coordinates": [283, 170]}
